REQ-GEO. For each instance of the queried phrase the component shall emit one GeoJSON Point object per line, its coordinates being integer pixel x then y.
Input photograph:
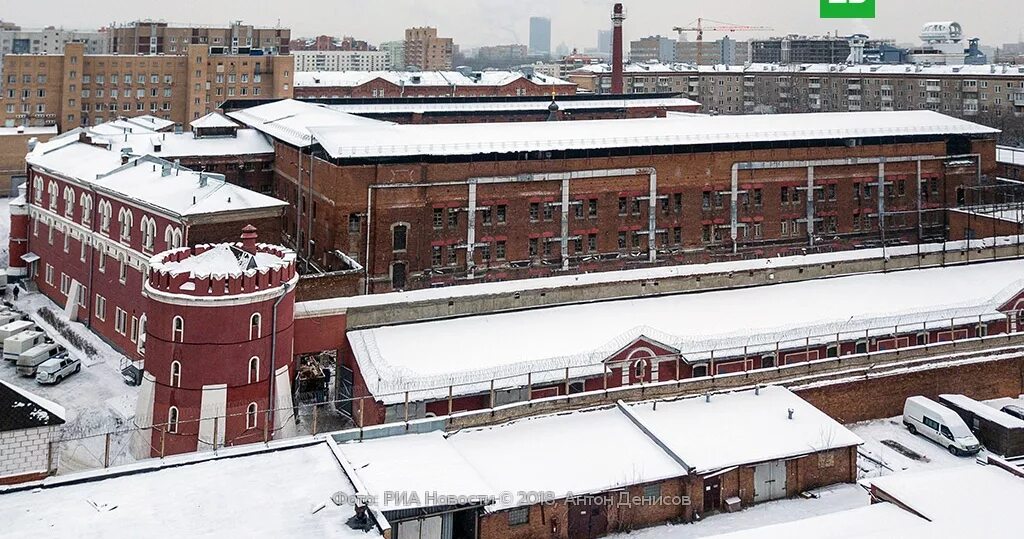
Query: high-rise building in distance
{"type": "Point", "coordinates": [540, 36]}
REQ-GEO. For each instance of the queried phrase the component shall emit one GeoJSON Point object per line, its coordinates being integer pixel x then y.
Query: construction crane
{"type": "Point", "coordinates": [717, 26]}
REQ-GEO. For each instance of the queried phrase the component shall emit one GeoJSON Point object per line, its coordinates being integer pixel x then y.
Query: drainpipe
{"type": "Point", "coordinates": [309, 221]}
{"type": "Point", "coordinates": [273, 354]}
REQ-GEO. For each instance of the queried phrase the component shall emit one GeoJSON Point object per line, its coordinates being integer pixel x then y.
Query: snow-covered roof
{"type": "Point", "coordinates": [20, 409]}
{"type": "Point", "coordinates": [213, 119]}
{"type": "Point", "coordinates": [289, 120]}
{"type": "Point", "coordinates": [65, 156]}
{"type": "Point", "coordinates": [427, 356]}
{"type": "Point", "coordinates": [655, 68]}
{"type": "Point", "coordinates": [594, 450]}
{"type": "Point", "coordinates": [149, 121]}
{"type": "Point", "coordinates": [280, 493]}
{"type": "Point", "coordinates": [983, 410]}
{"type": "Point", "coordinates": [222, 260]}
{"type": "Point", "coordinates": [878, 520]}
{"type": "Point", "coordinates": [756, 424]}
{"type": "Point", "coordinates": [384, 140]}
{"type": "Point", "coordinates": [1010, 155]}
{"type": "Point", "coordinates": [469, 105]}
{"type": "Point", "coordinates": [10, 131]}
{"type": "Point", "coordinates": [350, 79]}
{"type": "Point", "coordinates": [185, 144]}
{"type": "Point", "coordinates": [181, 192]}
{"type": "Point", "coordinates": [419, 463]}
{"type": "Point", "coordinates": [939, 495]}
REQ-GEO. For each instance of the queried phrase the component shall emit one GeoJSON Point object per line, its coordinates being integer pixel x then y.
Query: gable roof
{"type": "Point", "coordinates": [213, 119]}
{"type": "Point", "coordinates": [20, 409]}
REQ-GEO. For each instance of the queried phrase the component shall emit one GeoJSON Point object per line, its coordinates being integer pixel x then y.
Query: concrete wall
{"type": "Point", "coordinates": [26, 453]}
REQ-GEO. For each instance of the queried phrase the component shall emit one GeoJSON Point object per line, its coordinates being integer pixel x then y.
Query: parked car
{"type": "Point", "coordinates": [1014, 410]}
{"type": "Point", "coordinates": [30, 359]}
{"type": "Point", "coordinates": [54, 370]}
{"type": "Point", "coordinates": [939, 424]}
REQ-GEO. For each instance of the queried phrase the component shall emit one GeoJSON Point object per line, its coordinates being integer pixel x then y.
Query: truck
{"type": "Point", "coordinates": [22, 342]}
{"type": "Point", "coordinates": [30, 359]}
{"type": "Point", "coordinates": [939, 424]}
{"type": "Point", "coordinates": [14, 328]}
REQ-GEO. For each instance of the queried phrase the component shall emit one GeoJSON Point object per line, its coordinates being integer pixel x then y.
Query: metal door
{"type": "Point", "coordinates": [769, 481]}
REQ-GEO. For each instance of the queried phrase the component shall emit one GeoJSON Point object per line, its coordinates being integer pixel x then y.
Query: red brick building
{"type": "Point", "coordinates": [384, 84]}
{"type": "Point", "coordinates": [428, 205]}
{"type": "Point", "coordinates": [247, 292]}
{"type": "Point", "coordinates": [92, 218]}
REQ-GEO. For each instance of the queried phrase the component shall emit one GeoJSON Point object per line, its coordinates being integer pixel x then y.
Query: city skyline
{"type": "Point", "coordinates": [574, 22]}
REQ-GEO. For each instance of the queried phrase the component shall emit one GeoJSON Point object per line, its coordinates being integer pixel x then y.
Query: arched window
{"type": "Point", "coordinates": [124, 217]}
{"type": "Point", "coordinates": [178, 329]}
{"type": "Point", "coordinates": [86, 202]}
{"type": "Point", "coordinates": [175, 374]}
{"type": "Point", "coordinates": [69, 202]}
{"type": "Point", "coordinates": [148, 228]}
{"type": "Point", "coordinates": [105, 212]}
{"type": "Point", "coordinates": [54, 194]}
{"type": "Point", "coordinates": [172, 236]}
{"type": "Point", "coordinates": [172, 420]}
{"type": "Point", "coordinates": [399, 237]}
{"type": "Point", "coordinates": [140, 345]}
{"type": "Point", "coordinates": [250, 415]}
{"type": "Point", "coordinates": [255, 328]}
{"type": "Point", "coordinates": [254, 369]}
{"type": "Point", "coordinates": [640, 368]}
{"type": "Point", "coordinates": [37, 189]}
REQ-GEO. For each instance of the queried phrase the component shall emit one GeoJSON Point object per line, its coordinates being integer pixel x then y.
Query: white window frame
{"type": "Point", "coordinates": [178, 329]}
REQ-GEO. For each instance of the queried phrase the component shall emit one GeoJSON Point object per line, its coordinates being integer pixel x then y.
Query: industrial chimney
{"type": "Point", "coordinates": [618, 15]}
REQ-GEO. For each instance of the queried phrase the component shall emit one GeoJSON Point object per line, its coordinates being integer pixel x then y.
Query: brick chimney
{"type": "Point", "coordinates": [249, 236]}
{"type": "Point", "coordinates": [618, 15]}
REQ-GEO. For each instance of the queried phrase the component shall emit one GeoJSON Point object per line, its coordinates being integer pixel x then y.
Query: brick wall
{"type": "Point", "coordinates": [12, 157]}
{"type": "Point", "coordinates": [24, 451]}
{"type": "Point", "coordinates": [884, 396]}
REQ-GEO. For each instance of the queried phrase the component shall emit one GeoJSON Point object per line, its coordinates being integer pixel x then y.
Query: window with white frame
{"type": "Point", "coordinates": [69, 202]}
{"type": "Point", "coordinates": [172, 236]}
{"type": "Point", "coordinates": [178, 329]}
{"type": "Point", "coordinates": [175, 380]}
{"type": "Point", "coordinates": [37, 189]}
{"type": "Point", "coordinates": [67, 240]}
{"type": "Point", "coordinates": [105, 213]}
{"type": "Point", "coordinates": [101, 307]}
{"type": "Point", "coordinates": [254, 369]}
{"type": "Point", "coordinates": [49, 275]}
{"type": "Point", "coordinates": [172, 420]}
{"type": "Point", "coordinates": [102, 264]}
{"type": "Point", "coordinates": [133, 335]}
{"type": "Point", "coordinates": [86, 202]}
{"type": "Point", "coordinates": [49, 231]}
{"type": "Point", "coordinates": [125, 218]}
{"type": "Point", "coordinates": [65, 283]}
{"type": "Point", "coordinates": [84, 247]}
{"type": "Point", "coordinates": [54, 193]}
{"type": "Point", "coordinates": [251, 413]}
{"type": "Point", "coordinates": [255, 329]}
{"type": "Point", "coordinates": [148, 229]}
{"type": "Point", "coordinates": [120, 321]}
{"type": "Point", "coordinates": [122, 274]}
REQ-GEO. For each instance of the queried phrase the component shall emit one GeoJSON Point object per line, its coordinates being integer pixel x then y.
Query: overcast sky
{"type": "Point", "coordinates": [476, 22]}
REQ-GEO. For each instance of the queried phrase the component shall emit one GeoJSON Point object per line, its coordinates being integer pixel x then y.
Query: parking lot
{"type": "Point", "coordinates": [96, 399]}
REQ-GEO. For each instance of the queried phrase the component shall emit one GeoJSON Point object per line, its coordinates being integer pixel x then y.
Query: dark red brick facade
{"type": "Point", "coordinates": [380, 87]}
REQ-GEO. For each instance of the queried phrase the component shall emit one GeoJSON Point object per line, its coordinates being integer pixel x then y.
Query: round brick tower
{"type": "Point", "coordinates": [218, 346]}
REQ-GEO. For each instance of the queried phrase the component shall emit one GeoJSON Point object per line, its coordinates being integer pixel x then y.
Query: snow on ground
{"type": "Point", "coordinates": [96, 398]}
{"type": "Point", "coordinates": [876, 459]}
{"type": "Point", "coordinates": [830, 500]}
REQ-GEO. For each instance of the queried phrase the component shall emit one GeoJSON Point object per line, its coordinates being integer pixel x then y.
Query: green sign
{"type": "Point", "coordinates": [847, 9]}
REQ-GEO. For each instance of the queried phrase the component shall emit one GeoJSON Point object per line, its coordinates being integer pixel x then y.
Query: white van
{"type": "Point", "coordinates": [33, 357]}
{"type": "Point", "coordinates": [54, 370]}
{"type": "Point", "coordinates": [6, 317]}
{"type": "Point", "coordinates": [14, 328]}
{"type": "Point", "coordinates": [943, 426]}
{"type": "Point", "coordinates": [15, 345]}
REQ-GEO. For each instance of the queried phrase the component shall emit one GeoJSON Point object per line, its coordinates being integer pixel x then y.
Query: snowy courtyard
{"type": "Point", "coordinates": [96, 399]}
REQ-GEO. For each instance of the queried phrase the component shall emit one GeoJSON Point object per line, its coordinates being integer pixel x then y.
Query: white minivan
{"type": "Point", "coordinates": [943, 426]}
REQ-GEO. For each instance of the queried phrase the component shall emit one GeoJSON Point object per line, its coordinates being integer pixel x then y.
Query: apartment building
{"type": "Point", "coordinates": [426, 51]}
{"type": "Point", "coordinates": [75, 88]}
{"type": "Point", "coordinates": [967, 90]}
{"type": "Point", "coordinates": [338, 60]}
{"type": "Point", "coordinates": [50, 40]}
{"type": "Point", "coordinates": [152, 37]}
